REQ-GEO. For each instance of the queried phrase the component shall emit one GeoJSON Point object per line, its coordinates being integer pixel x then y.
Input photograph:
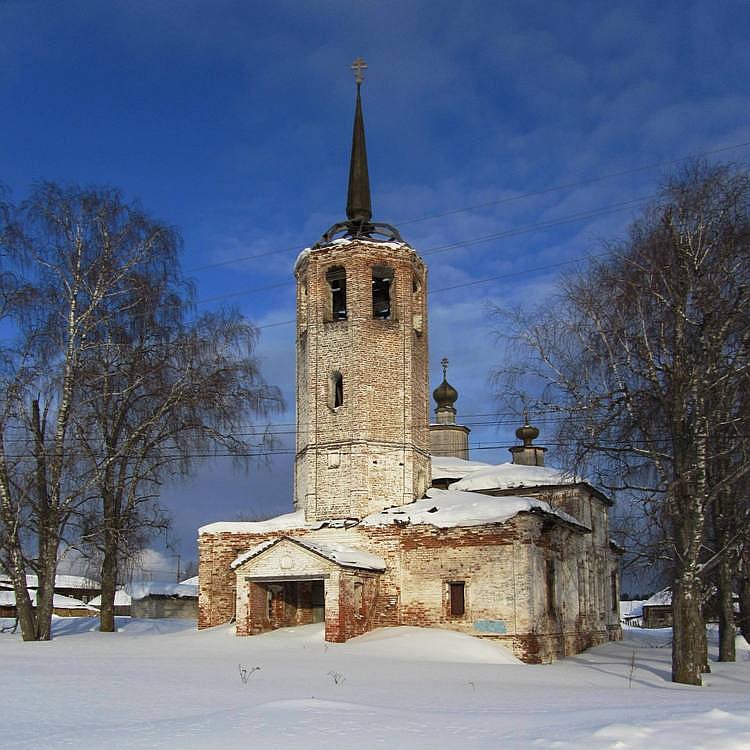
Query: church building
{"type": "Point", "coordinates": [392, 523]}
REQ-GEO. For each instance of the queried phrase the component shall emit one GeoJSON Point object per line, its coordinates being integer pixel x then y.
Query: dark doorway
{"type": "Point", "coordinates": [291, 603]}
{"type": "Point", "coordinates": [318, 596]}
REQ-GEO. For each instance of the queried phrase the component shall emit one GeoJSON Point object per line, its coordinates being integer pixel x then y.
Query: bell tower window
{"type": "Point", "coordinates": [337, 390]}
{"type": "Point", "coordinates": [336, 278]}
{"type": "Point", "coordinates": [382, 280]}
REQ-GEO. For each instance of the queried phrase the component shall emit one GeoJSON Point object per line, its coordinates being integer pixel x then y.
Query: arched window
{"type": "Point", "coordinates": [382, 280]}
{"type": "Point", "coordinates": [336, 278]}
{"type": "Point", "coordinates": [337, 390]}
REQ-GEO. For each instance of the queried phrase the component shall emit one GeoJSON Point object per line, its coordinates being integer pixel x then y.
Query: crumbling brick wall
{"type": "Point", "coordinates": [372, 450]}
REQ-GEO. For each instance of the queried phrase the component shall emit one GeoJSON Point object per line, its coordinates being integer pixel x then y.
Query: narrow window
{"type": "Point", "coordinates": [303, 304]}
{"type": "Point", "coordinates": [457, 602]}
{"type": "Point", "coordinates": [337, 390]}
{"type": "Point", "coordinates": [550, 579]}
{"type": "Point", "coordinates": [613, 583]}
{"type": "Point", "coordinates": [416, 305]}
{"type": "Point", "coordinates": [336, 278]}
{"type": "Point", "coordinates": [382, 279]}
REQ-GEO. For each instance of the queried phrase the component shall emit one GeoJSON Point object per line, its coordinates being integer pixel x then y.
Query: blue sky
{"type": "Point", "coordinates": [539, 124]}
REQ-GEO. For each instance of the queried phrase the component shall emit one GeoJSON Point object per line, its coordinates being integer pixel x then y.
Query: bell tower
{"type": "Point", "coordinates": [362, 380]}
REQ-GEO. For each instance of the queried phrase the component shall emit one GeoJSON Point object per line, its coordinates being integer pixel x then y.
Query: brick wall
{"type": "Point", "coordinates": [504, 568]}
{"type": "Point", "coordinates": [372, 451]}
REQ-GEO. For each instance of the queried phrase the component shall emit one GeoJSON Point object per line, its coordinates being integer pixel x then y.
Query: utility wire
{"type": "Point", "coordinates": [529, 228]}
{"type": "Point", "coordinates": [496, 202]}
{"type": "Point", "coordinates": [456, 245]}
{"type": "Point", "coordinates": [618, 445]}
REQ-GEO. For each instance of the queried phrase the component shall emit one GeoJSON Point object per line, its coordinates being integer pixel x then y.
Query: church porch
{"type": "Point", "coordinates": [287, 582]}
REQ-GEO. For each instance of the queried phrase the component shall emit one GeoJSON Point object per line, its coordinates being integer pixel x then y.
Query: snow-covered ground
{"type": "Point", "coordinates": [162, 684]}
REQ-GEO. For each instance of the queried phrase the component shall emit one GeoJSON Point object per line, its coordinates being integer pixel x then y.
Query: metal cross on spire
{"type": "Point", "coordinates": [444, 363]}
{"type": "Point", "coordinates": [359, 66]}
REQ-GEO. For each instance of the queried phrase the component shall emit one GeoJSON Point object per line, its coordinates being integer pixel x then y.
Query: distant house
{"type": "Point", "coordinates": [62, 606]}
{"type": "Point", "coordinates": [122, 603]}
{"type": "Point", "coordinates": [77, 587]}
{"type": "Point", "coordinates": [631, 612]}
{"type": "Point", "coordinates": [155, 599]}
{"type": "Point", "coordinates": [657, 611]}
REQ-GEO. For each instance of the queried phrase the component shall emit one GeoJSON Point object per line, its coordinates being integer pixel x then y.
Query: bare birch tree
{"type": "Point", "coordinates": [645, 354]}
{"type": "Point", "coordinates": [157, 399]}
{"type": "Point", "coordinates": [107, 385]}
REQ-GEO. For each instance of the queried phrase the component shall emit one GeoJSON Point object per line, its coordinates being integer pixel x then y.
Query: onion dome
{"type": "Point", "coordinates": [445, 394]}
{"type": "Point", "coordinates": [527, 454]}
{"type": "Point", "coordinates": [527, 433]}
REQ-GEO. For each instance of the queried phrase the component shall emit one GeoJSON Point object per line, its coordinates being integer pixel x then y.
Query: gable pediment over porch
{"type": "Point", "coordinates": [291, 581]}
{"type": "Point", "coordinates": [292, 557]}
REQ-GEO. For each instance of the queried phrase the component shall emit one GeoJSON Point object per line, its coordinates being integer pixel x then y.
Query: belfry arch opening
{"type": "Point", "coordinates": [382, 281]}
{"type": "Point", "coordinates": [336, 278]}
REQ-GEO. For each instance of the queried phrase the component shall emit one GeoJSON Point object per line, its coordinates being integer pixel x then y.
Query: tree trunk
{"type": "Point", "coordinates": [48, 531]}
{"type": "Point", "coordinates": [46, 571]}
{"type": "Point", "coordinates": [726, 612]}
{"type": "Point", "coordinates": [744, 593]}
{"type": "Point", "coordinates": [109, 583]}
{"type": "Point", "coordinates": [24, 605]}
{"type": "Point", "coordinates": [688, 646]}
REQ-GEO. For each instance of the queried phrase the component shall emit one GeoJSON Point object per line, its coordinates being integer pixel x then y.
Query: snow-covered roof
{"type": "Point", "coordinates": [504, 476]}
{"type": "Point", "coordinates": [449, 508]}
{"type": "Point", "coordinates": [448, 467]}
{"type": "Point", "coordinates": [8, 599]}
{"type": "Point", "coordinates": [68, 602]}
{"type": "Point", "coordinates": [631, 609]}
{"type": "Point", "coordinates": [660, 598]}
{"type": "Point", "coordinates": [303, 254]}
{"type": "Point", "coordinates": [62, 581]}
{"type": "Point", "coordinates": [288, 521]}
{"type": "Point", "coordinates": [142, 589]}
{"type": "Point", "coordinates": [191, 581]}
{"type": "Point", "coordinates": [508, 476]}
{"type": "Point", "coordinates": [252, 552]}
{"type": "Point", "coordinates": [122, 599]}
{"type": "Point", "coordinates": [476, 477]}
{"type": "Point", "coordinates": [348, 557]}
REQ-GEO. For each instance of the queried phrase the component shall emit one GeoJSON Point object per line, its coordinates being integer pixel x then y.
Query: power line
{"type": "Point", "coordinates": [619, 446]}
{"type": "Point", "coordinates": [529, 228]}
{"type": "Point", "coordinates": [550, 416]}
{"type": "Point", "coordinates": [456, 245]}
{"type": "Point", "coordinates": [497, 202]}
{"type": "Point", "coordinates": [571, 218]}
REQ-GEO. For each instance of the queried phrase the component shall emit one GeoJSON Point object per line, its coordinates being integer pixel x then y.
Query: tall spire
{"type": "Point", "coordinates": [359, 222]}
{"type": "Point", "coordinates": [358, 203]}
